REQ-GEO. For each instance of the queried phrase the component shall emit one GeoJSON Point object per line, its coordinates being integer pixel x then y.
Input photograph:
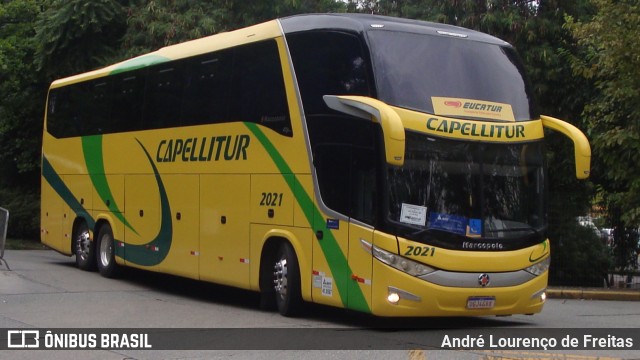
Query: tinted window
{"type": "Point", "coordinates": [163, 95]}
{"type": "Point", "coordinates": [70, 111]}
{"type": "Point", "coordinates": [411, 69]}
{"type": "Point", "coordinates": [328, 63]}
{"type": "Point", "coordinates": [207, 84]}
{"type": "Point", "coordinates": [99, 106]}
{"type": "Point", "coordinates": [60, 121]}
{"type": "Point", "coordinates": [258, 93]}
{"type": "Point", "coordinates": [239, 84]}
{"type": "Point", "coordinates": [128, 94]}
{"type": "Point", "coordinates": [344, 148]}
{"type": "Point", "coordinates": [346, 163]}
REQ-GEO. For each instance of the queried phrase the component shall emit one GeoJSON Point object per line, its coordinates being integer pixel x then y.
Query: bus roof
{"type": "Point", "coordinates": [366, 22]}
{"type": "Point", "coordinates": [267, 30]}
{"type": "Point", "coordinates": [271, 29]}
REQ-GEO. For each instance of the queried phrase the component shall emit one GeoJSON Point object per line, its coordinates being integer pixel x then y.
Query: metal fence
{"type": "Point", "coordinates": [586, 256]}
{"type": "Point", "coordinates": [577, 267]}
{"type": "Point", "coordinates": [4, 223]}
{"type": "Point", "coordinates": [625, 281]}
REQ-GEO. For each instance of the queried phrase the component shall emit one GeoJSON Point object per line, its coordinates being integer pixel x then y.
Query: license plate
{"type": "Point", "coordinates": [481, 302]}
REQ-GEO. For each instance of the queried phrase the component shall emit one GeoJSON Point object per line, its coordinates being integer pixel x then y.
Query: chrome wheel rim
{"type": "Point", "coordinates": [83, 243]}
{"type": "Point", "coordinates": [106, 250]}
{"type": "Point", "coordinates": [280, 278]}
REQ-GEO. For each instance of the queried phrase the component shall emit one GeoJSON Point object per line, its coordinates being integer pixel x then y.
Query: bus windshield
{"type": "Point", "coordinates": [411, 69]}
{"type": "Point", "coordinates": [467, 190]}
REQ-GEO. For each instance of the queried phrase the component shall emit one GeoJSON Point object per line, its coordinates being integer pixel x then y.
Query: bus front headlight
{"type": "Point", "coordinates": [401, 263]}
{"type": "Point", "coordinates": [539, 268]}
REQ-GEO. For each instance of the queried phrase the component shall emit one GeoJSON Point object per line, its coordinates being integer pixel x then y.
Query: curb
{"type": "Point", "coordinates": [593, 294]}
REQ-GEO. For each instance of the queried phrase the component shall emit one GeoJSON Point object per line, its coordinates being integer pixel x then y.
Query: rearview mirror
{"type": "Point", "coordinates": [582, 150]}
{"type": "Point", "coordinates": [376, 111]}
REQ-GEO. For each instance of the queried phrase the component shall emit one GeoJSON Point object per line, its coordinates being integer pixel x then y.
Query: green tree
{"type": "Point", "coordinates": [609, 57]}
{"type": "Point", "coordinates": [21, 104]}
{"type": "Point", "coordinates": [77, 35]}
{"type": "Point", "coordinates": [154, 24]}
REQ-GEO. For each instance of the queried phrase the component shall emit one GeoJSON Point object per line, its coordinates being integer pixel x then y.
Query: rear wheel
{"type": "Point", "coordinates": [85, 248]}
{"type": "Point", "coordinates": [286, 280]}
{"type": "Point", "coordinates": [106, 252]}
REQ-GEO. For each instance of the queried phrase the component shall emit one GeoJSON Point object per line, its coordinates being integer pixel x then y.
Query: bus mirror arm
{"type": "Point", "coordinates": [580, 143]}
{"type": "Point", "coordinates": [377, 111]}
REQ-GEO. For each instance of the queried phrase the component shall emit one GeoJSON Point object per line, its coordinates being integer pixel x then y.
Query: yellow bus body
{"type": "Point", "coordinates": [208, 208]}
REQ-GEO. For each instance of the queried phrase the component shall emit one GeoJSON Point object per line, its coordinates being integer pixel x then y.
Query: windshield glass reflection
{"type": "Point", "coordinates": [467, 189]}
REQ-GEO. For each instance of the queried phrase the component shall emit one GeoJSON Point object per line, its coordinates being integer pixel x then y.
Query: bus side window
{"type": "Point", "coordinates": [344, 147]}
{"type": "Point", "coordinates": [163, 96]}
{"type": "Point", "coordinates": [346, 165]}
{"type": "Point", "coordinates": [328, 63]}
{"type": "Point", "coordinates": [258, 92]}
{"type": "Point", "coordinates": [206, 92]}
{"type": "Point", "coordinates": [78, 109]}
{"type": "Point", "coordinates": [60, 114]}
{"type": "Point", "coordinates": [100, 106]}
{"type": "Point", "coordinates": [128, 94]}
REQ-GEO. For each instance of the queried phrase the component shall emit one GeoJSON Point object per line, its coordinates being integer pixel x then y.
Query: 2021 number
{"type": "Point", "coordinates": [420, 250]}
{"type": "Point", "coordinates": [271, 199]}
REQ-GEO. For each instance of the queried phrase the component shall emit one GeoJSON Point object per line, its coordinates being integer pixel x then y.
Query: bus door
{"type": "Point", "coordinates": [347, 176]}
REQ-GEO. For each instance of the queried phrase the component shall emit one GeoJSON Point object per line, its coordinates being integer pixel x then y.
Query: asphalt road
{"type": "Point", "coordinates": [44, 290]}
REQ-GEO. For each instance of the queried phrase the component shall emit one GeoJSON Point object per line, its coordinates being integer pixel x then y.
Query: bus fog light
{"type": "Point", "coordinates": [540, 295]}
{"type": "Point", "coordinates": [393, 298]}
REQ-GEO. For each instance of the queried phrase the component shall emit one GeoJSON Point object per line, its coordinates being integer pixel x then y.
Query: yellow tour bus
{"type": "Point", "coordinates": [383, 165]}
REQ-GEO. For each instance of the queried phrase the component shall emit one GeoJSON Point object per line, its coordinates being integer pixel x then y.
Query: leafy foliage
{"type": "Point", "coordinates": [608, 56]}
{"type": "Point", "coordinates": [585, 72]}
{"type": "Point", "coordinates": [77, 35]}
{"type": "Point", "coordinates": [579, 263]}
{"type": "Point", "coordinates": [158, 23]}
{"type": "Point", "coordinates": [21, 102]}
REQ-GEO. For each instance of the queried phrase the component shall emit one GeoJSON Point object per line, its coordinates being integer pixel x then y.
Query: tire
{"type": "Point", "coordinates": [267, 290]}
{"type": "Point", "coordinates": [286, 282]}
{"type": "Point", "coordinates": [85, 247]}
{"type": "Point", "coordinates": [106, 258]}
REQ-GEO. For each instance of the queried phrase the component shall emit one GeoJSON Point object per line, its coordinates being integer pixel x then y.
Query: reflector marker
{"type": "Point", "coordinates": [360, 280]}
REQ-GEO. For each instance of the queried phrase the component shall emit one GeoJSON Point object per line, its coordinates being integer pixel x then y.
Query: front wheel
{"type": "Point", "coordinates": [85, 248]}
{"type": "Point", "coordinates": [287, 281]}
{"type": "Point", "coordinates": [106, 253]}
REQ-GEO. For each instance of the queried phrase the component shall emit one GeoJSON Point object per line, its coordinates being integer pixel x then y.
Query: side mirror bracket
{"type": "Point", "coordinates": [376, 111]}
{"type": "Point", "coordinates": [582, 149]}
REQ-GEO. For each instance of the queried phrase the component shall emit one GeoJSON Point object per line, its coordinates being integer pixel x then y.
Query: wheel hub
{"type": "Point", "coordinates": [84, 242]}
{"type": "Point", "coordinates": [280, 277]}
{"type": "Point", "coordinates": [106, 249]}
